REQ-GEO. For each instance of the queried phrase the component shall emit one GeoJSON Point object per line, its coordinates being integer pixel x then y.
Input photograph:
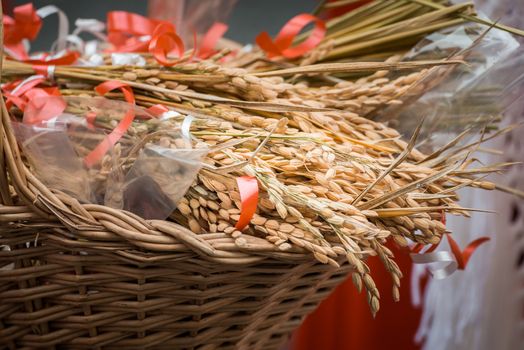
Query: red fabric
{"type": "Point", "coordinates": [343, 321]}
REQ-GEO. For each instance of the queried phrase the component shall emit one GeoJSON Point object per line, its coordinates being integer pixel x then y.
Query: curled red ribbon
{"type": "Point", "coordinates": [463, 257]}
{"type": "Point", "coordinates": [38, 104]}
{"type": "Point", "coordinates": [15, 91]}
{"type": "Point", "coordinates": [210, 40]}
{"type": "Point", "coordinates": [456, 260]}
{"type": "Point", "coordinates": [25, 24]}
{"type": "Point", "coordinates": [116, 134]}
{"type": "Point", "coordinates": [248, 188]}
{"type": "Point", "coordinates": [281, 46]}
{"type": "Point", "coordinates": [44, 104]}
{"type": "Point", "coordinates": [129, 32]}
{"type": "Point", "coordinates": [163, 41]}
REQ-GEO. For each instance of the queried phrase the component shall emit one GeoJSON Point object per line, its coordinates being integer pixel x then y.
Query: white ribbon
{"type": "Point", "coordinates": [51, 123]}
{"type": "Point", "coordinates": [437, 257]}
{"type": "Point", "coordinates": [185, 128]}
{"type": "Point", "coordinates": [127, 59]}
{"type": "Point", "coordinates": [91, 48]}
{"type": "Point", "coordinates": [63, 25]}
{"type": "Point", "coordinates": [51, 72]}
{"type": "Point", "coordinates": [91, 26]}
{"type": "Point", "coordinates": [169, 114]}
{"type": "Point", "coordinates": [25, 81]}
{"type": "Point", "coordinates": [246, 48]}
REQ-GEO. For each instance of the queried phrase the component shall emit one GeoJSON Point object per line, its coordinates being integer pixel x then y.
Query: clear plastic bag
{"type": "Point", "coordinates": [453, 99]}
{"type": "Point", "coordinates": [147, 171]}
{"type": "Point", "coordinates": [158, 179]}
{"type": "Point", "coordinates": [54, 160]}
{"type": "Point", "coordinates": [191, 15]}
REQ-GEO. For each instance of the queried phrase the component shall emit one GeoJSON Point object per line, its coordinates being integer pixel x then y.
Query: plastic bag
{"type": "Point", "coordinates": [53, 158]}
{"type": "Point", "coordinates": [191, 15]}
{"type": "Point", "coordinates": [147, 171]}
{"type": "Point", "coordinates": [158, 179]}
{"type": "Point", "coordinates": [453, 99]}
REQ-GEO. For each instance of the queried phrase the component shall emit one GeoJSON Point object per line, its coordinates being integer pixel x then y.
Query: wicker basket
{"type": "Point", "coordinates": [82, 276]}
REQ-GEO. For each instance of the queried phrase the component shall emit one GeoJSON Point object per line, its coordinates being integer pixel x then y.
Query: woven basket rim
{"type": "Point", "coordinates": [88, 221]}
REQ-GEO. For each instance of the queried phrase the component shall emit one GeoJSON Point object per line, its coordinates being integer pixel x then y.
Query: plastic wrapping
{"type": "Point", "coordinates": [158, 179]}
{"type": "Point", "coordinates": [54, 159]}
{"type": "Point", "coordinates": [191, 15]}
{"type": "Point", "coordinates": [453, 99]}
{"type": "Point", "coordinates": [147, 172]}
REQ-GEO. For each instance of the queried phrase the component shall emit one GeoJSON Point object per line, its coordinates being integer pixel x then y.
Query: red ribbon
{"type": "Point", "coordinates": [157, 110]}
{"type": "Point", "coordinates": [165, 40]}
{"type": "Point", "coordinates": [41, 69]}
{"type": "Point", "coordinates": [281, 46]}
{"type": "Point", "coordinates": [417, 248]}
{"type": "Point", "coordinates": [129, 32]}
{"type": "Point", "coordinates": [463, 257]}
{"type": "Point", "coordinates": [116, 134]}
{"type": "Point", "coordinates": [91, 119]}
{"type": "Point", "coordinates": [25, 24]}
{"type": "Point", "coordinates": [16, 97]}
{"type": "Point", "coordinates": [248, 188]}
{"type": "Point", "coordinates": [210, 40]}
{"type": "Point", "coordinates": [125, 29]}
{"type": "Point", "coordinates": [44, 104]}
{"type": "Point", "coordinates": [68, 58]}
{"type": "Point", "coordinates": [38, 104]}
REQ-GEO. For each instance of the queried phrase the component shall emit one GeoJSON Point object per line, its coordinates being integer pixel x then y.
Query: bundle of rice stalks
{"type": "Point", "coordinates": [332, 182]}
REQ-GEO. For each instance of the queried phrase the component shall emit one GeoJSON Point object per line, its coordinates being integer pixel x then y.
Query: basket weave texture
{"type": "Point", "coordinates": [83, 276]}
